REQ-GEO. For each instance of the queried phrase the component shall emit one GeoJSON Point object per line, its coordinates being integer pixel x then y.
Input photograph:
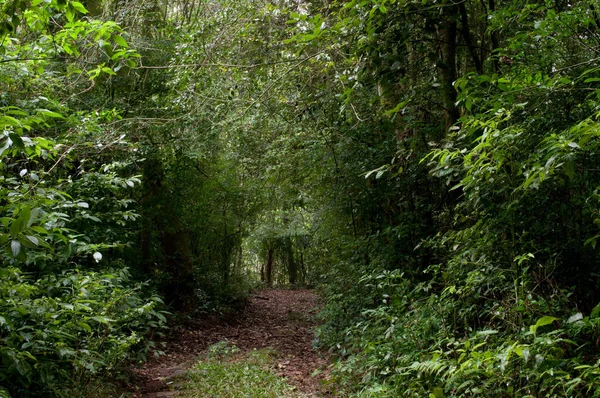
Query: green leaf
{"type": "Point", "coordinates": [70, 14]}
{"type": "Point", "coordinates": [120, 41]}
{"type": "Point", "coordinates": [85, 326]}
{"type": "Point", "coordinates": [35, 215]}
{"type": "Point", "coordinates": [397, 108]}
{"type": "Point", "coordinates": [79, 7]}
{"type": "Point", "coordinates": [438, 392]}
{"type": "Point", "coordinates": [7, 144]}
{"type": "Point", "coordinates": [49, 113]}
{"type": "Point", "coordinates": [15, 247]}
{"type": "Point", "coordinates": [21, 222]}
{"type": "Point", "coordinates": [543, 321]}
{"type": "Point", "coordinates": [102, 319]}
{"type": "Point", "coordinates": [569, 169]}
{"type": "Point", "coordinates": [108, 71]}
{"type": "Point", "coordinates": [33, 239]}
{"type": "Point", "coordinates": [40, 230]}
{"type": "Point", "coordinates": [9, 121]}
{"type": "Point", "coordinates": [17, 141]}
{"type": "Point", "coordinates": [66, 352]}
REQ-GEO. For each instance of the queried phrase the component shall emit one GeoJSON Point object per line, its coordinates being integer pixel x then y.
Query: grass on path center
{"type": "Point", "coordinates": [226, 372]}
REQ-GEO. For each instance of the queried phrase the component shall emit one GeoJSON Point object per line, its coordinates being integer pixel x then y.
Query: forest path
{"type": "Point", "coordinates": [280, 319]}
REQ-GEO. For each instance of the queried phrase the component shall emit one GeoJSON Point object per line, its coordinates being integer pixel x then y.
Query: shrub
{"type": "Point", "coordinates": [59, 331]}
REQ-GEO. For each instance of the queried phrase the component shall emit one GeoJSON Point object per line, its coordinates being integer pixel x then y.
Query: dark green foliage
{"type": "Point", "coordinates": [463, 238]}
{"type": "Point", "coordinates": [69, 309]}
{"type": "Point", "coordinates": [59, 331]}
{"type": "Point", "coordinates": [431, 165]}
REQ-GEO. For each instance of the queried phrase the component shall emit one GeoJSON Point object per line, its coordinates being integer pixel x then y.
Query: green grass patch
{"type": "Point", "coordinates": [226, 372]}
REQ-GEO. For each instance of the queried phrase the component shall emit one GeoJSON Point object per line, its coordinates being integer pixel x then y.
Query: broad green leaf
{"type": "Point", "coordinates": [33, 239]}
{"type": "Point", "coordinates": [39, 230]}
{"type": "Point", "coordinates": [397, 108]}
{"type": "Point", "coordinates": [49, 113]}
{"type": "Point", "coordinates": [70, 14]}
{"type": "Point", "coordinates": [569, 169]}
{"type": "Point", "coordinates": [101, 319]}
{"type": "Point", "coordinates": [16, 227]}
{"type": "Point", "coordinates": [15, 247]}
{"type": "Point", "coordinates": [79, 7]}
{"type": "Point", "coordinates": [108, 71]}
{"type": "Point", "coordinates": [120, 41]}
{"type": "Point", "coordinates": [9, 121]}
{"type": "Point", "coordinates": [438, 392]}
{"type": "Point", "coordinates": [36, 213]}
{"type": "Point", "coordinates": [21, 222]}
{"type": "Point", "coordinates": [543, 321]}
{"type": "Point", "coordinates": [85, 326]}
{"type": "Point", "coordinates": [17, 140]}
{"type": "Point", "coordinates": [7, 144]}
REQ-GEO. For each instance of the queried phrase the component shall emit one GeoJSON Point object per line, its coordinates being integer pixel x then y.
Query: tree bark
{"type": "Point", "coordinates": [225, 251]}
{"type": "Point", "coordinates": [447, 39]}
{"type": "Point", "coordinates": [466, 33]}
{"type": "Point", "coordinates": [292, 265]}
{"type": "Point", "coordinates": [494, 38]}
{"type": "Point", "coordinates": [171, 238]}
{"type": "Point", "coordinates": [180, 291]}
{"type": "Point", "coordinates": [269, 267]}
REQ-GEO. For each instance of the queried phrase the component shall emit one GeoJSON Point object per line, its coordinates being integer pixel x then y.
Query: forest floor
{"type": "Point", "coordinates": [281, 321]}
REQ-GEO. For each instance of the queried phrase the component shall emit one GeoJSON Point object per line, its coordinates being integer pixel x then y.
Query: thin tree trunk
{"type": "Point", "coordinates": [466, 33]}
{"type": "Point", "coordinates": [225, 251]}
{"type": "Point", "coordinates": [494, 38]}
{"type": "Point", "coordinates": [302, 267]}
{"type": "Point", "coordinates": [180, 291]}
{"type": "Point", "coordinates": [269, 268]}
{"type": "Point", "coordinates": [447, 38]}
{"type": "Point", "coordinates": [292, 266]}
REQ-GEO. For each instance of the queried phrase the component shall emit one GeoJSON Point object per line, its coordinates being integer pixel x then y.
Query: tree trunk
{"type": "Point", "coordinates": [302, 268]}
{"type": "Point", "coordinates": [466, 33]}
{"type": "Point", "coordinates": [292, 265]}
{"type": "Point", "coordinates": [171, 238]}
{"type": "Point", "coordinates": [180, 290]}
{"type": "Point", "coordinates": [269, 267]}
{"type": "Point", "coordinates": [447, 39]}
{"type": "Point", "coordinates": [494, 38]}
{"type": "Point", "coordinates": [225, 251]}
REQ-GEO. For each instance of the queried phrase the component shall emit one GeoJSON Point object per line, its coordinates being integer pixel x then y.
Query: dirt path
{"type": "Point", "coordinates": [280, 319]}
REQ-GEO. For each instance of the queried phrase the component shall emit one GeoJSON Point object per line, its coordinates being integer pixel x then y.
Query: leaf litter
{"type": "Point", "coordinates": [282, 320]}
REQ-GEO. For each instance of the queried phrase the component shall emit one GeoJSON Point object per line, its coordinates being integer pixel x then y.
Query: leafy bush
{"type": "Point", "coordinates": [59, 331]}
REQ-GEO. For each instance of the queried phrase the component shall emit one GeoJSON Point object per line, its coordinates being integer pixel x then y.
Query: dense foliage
{"type": "Point", "coordinates": [430, 165]}
{"type": "Point", "coordinates": [476, 255]}
{"type": "Point", "coordinates": [69, 308]}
